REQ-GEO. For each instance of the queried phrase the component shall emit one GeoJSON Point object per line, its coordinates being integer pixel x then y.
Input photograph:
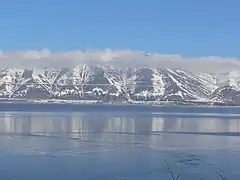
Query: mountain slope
{"type": "Point", "coordinates": [108, 83]}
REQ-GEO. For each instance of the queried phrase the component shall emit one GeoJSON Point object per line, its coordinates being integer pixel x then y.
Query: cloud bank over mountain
{"type": "Point", "coordinates": [119, 58]}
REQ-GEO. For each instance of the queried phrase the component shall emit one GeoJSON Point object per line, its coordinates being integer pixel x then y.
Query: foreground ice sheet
{"type": "Point", "coordinates": [106, 146]}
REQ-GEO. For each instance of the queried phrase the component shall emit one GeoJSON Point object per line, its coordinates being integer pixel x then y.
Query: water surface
{"type": "Point", "coordinates": [95, 145]}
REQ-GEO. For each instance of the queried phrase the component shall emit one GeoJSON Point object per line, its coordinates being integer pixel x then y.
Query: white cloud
{"type": "Point", "coordinates": [130, 58]}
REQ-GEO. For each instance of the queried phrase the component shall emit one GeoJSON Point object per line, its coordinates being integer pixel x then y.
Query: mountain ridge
{"type": "Point", "coordinates": [111, 84]}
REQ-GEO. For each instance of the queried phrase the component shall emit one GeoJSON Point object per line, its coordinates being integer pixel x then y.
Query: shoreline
{"type": "Point", "coordinates": [156, 110]}
{"type": "Point", "coordinates": [133, 102]}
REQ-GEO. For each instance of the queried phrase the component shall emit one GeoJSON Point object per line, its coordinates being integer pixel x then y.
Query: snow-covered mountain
{"type": "Point", "coordinates": [108, 83]}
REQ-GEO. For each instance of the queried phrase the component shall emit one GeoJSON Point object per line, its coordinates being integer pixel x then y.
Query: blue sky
{"type": "Point", "coordinates": [186, 27]}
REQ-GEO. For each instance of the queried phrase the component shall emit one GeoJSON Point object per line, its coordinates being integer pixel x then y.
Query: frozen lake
{"type": "Point", "coordinates": [95, 145]}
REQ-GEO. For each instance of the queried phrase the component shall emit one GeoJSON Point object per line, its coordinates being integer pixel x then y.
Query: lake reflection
{"type": "Point", "coordinates": [103, 146]}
